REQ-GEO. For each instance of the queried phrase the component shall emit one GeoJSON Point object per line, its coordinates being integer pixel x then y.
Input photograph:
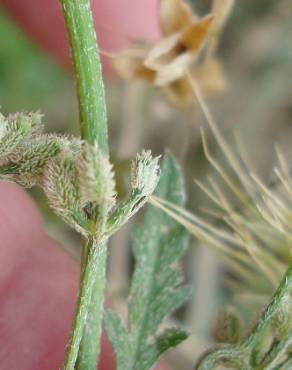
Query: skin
{"type": "Point", "coordinates": [38, 287]}
{"type": "Point", "coordinates": [38, 279]}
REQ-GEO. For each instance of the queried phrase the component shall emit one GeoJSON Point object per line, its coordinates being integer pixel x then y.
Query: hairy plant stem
{"type": "Point", "coordinates": [90, 88]}
{"type": "Point", "coordinates": [89, 347]}
{"type": "Point", "coordinates": [92, 276]}
{"type": "Point", "coordinates": [83, 346]}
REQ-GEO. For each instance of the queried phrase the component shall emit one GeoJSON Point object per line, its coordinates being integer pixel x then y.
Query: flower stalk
{"type": "Point", "coordinates": [92, 278]}
{"type": "Point", "coordinates": [83, 348]}
{"type": "Point", "coordinates": [87, 66]}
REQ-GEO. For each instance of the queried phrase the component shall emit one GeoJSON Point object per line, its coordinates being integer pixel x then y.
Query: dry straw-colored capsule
{"type": "Point", "coordinates": [129, 64]}
{"type": "Point", "coordinates": [174, 54]}
{"type": "Point", "coordinates": [174, 15]}
{"type": "Point", "coordinates": [208, 76]}
{"type": "Point", "coordinates": [178, 54]}
{"type": "Point", "coordinates": [221, 10]}
{"type": "Point", "coordinates": [184, 35]}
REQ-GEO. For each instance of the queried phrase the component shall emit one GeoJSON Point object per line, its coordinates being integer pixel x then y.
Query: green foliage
{"type": "Point", "coordinates": [268, 346]}
{"type": "Point", "coordinates": [229, 326]}
{"type": "Point", "coordinates": [78, 181]}
{"type": "Point", "coordinates": [76, 177]}
{"type": "Point", "coordinates": [156, 289]}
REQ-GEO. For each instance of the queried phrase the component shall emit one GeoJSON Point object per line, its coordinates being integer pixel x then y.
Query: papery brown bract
{"type": "Point", "coordinates": [129, 64]}
{"type": "Point", "coordinates": [173, 55]}
{"type": "Point", "coordinates": [174, 15]}
{"type": "Point", "coordinates": [221, 10]}
{"type": "Point", "coordinates": [171, 62]}
{"type": "Point", "coordinates": [208, 75]}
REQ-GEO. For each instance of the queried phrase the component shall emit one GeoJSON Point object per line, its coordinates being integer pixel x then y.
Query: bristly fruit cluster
{"type": "Point", "coordinates": [76, 177]}
{"type": "Point", "coordinates": [78, 181]}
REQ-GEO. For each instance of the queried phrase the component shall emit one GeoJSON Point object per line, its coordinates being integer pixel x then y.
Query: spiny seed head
{"type": "Point", "coordinates": [145, 173]}
{"type": "Point", "coordinates": [96, 176]}
{"type": "Point", "coordinates": [30, 120]}
{"type": "Point", "coordinates": [71, 146]}
{"type": "Point", "coordinates": [60, 184]}
{"type": "Point", "coordinates": [30, 159]}
{"type": "Point", "coordinates": [16, 128]}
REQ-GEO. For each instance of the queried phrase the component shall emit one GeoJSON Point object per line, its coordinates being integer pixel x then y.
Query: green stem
{"type": "Point", "coordinates": [276, 354]}
{"type": "Point", "coordinates": [90, 88]}
{"type": "Point", "coordinates": [223, 354]}
{"type": "Point", "coordinates": [94, 271]}
{"type": "Point", "coordinates": [93, 121]}
{"type": "Point", "coordinates": [285, 365]}
{"type": "Point", "coordinates": [89, 347]}
{"type": "Point", "coordinates": [277, 304]}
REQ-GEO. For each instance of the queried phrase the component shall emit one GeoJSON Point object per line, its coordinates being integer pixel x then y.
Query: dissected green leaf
{"type": "Point", "coordinates": [170, 338]}
{"type": "Point", "coordinates": [156, 289]}
{"type": "Point", "coordinates": [268, 345]}
{"type": "Point", "coordinates": [230, 326]}
{"type": "Point", "coordinates": [118, 336]}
